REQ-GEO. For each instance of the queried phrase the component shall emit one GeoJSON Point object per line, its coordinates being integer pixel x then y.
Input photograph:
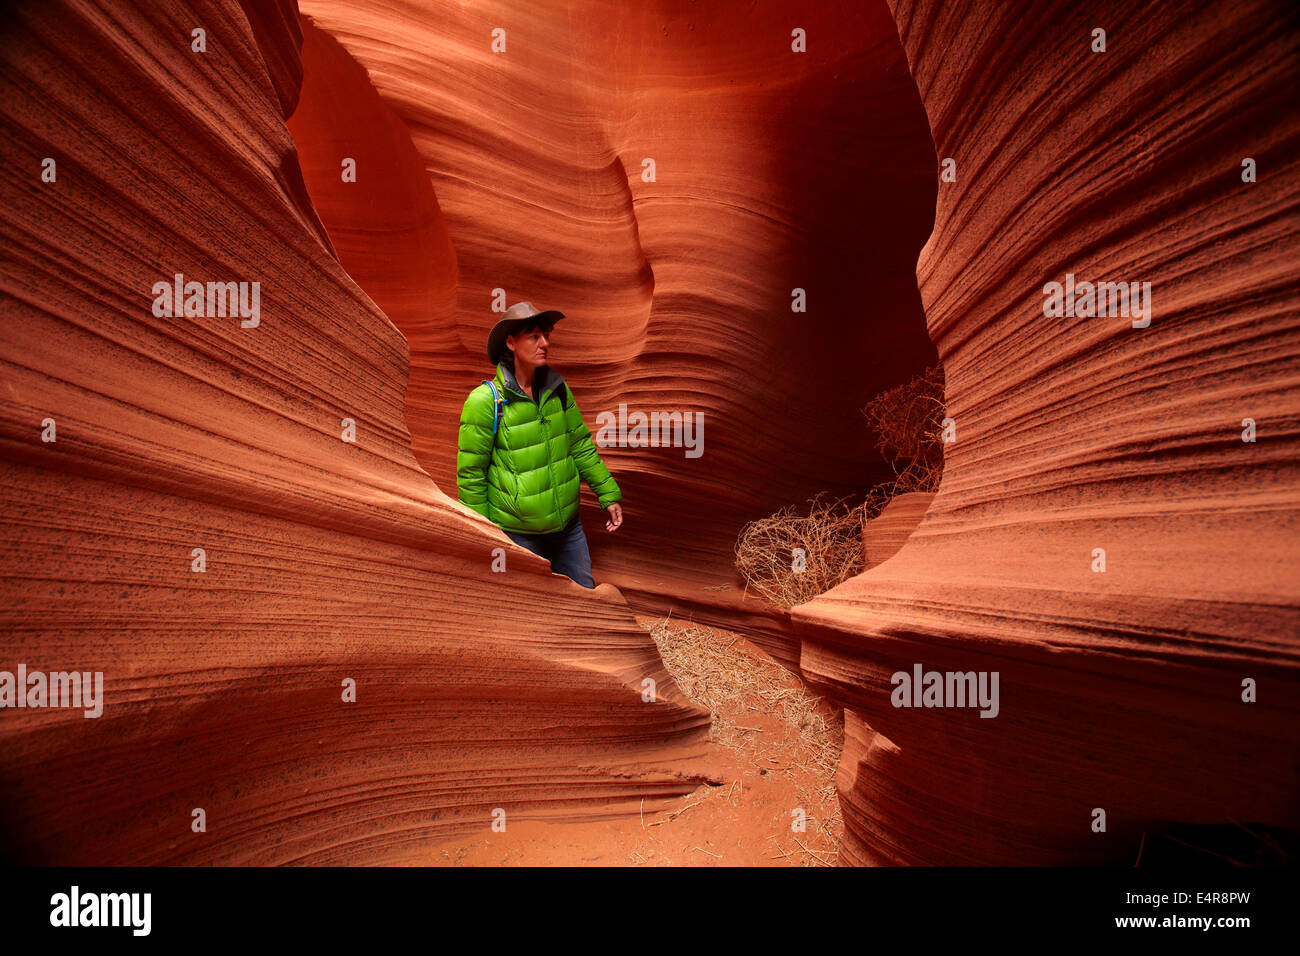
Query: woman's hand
{"type": "Point", "coordinates": [615, 517]}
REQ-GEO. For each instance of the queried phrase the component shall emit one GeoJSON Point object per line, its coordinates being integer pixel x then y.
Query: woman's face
{"type": "Point", "coordinates": [530, 347]}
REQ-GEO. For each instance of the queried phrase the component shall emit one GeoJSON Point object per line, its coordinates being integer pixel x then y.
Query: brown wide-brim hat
{"type": "Point", "coordinates": [515, 318]}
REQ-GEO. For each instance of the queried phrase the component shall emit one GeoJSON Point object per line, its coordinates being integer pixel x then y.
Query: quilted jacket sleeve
{"type": "Point", "coordinates": [584, 453]}
{"type": "Point", "coordinates": [474, 450]}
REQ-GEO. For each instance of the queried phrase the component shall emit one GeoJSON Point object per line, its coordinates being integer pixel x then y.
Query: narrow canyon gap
{"type": "Point", "coordinates": [775, 171]}
{"type": "Point", "coordinates": [326, 560]}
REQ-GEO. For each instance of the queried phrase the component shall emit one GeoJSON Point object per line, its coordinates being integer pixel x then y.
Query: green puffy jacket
{"type": "Point", "coordinates": [526, 480]}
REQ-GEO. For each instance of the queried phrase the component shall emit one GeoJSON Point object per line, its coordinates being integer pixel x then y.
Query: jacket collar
{"type": "Point", "coordinates": [545, 380]}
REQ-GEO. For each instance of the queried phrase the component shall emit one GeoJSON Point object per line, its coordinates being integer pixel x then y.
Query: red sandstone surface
{"type": "Point", "coordinates": [884, 535]}
{"type": "Point", "coordinates": [329, 561]}
{"type": "Point", "coordinates": [1120, 690]}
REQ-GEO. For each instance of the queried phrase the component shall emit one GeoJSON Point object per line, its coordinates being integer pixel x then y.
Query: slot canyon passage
{"type": "Point", "coordinates": [203, 443]}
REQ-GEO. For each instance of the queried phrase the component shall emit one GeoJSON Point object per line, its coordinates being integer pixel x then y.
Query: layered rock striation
{"type": "Point", "coordinates": [309, 653]}
{"type": "Point", "coordinates": [245, 518]}
{"type": "Point", "coordinates": [1115, 534]}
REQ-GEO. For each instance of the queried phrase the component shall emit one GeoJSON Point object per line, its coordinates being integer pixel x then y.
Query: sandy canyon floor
{"type": "Point", "coordinates": [778, 749]}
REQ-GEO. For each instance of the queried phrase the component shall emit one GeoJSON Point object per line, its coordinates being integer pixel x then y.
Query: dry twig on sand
{"type": "Point", "coordinates": [726, 679]}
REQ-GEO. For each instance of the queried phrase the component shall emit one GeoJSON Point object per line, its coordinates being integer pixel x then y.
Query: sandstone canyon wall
{"type": "Point", "coordinates": [1121, 690]}
{"type": "Point", "coordinates": [329, 560]}
{"type": "Point", "coordinates": [325, 561]}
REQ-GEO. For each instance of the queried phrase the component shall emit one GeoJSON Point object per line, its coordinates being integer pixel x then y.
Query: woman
{"type": "Point", "coordinates": [523, 448]}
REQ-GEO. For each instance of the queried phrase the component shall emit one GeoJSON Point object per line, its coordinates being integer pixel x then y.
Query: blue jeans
{"type": "Point", "coordinates": [566, 550]}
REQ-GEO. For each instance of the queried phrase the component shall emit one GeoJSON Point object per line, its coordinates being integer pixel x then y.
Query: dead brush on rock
{"type": "Point", "coordinates": [908, 422]}
{"type": "Point", "coordinates": [791, 558]}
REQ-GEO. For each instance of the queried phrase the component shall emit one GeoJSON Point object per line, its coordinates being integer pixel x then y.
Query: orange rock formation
{"type": "Point", "coordinates": [1120, 690]}
{"type": "Point", "coordinates": [198, 442]}
{"type": "Point", "coordinates": [324, 561]}
{"type": "Point", "coordinates": [884, 535]}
